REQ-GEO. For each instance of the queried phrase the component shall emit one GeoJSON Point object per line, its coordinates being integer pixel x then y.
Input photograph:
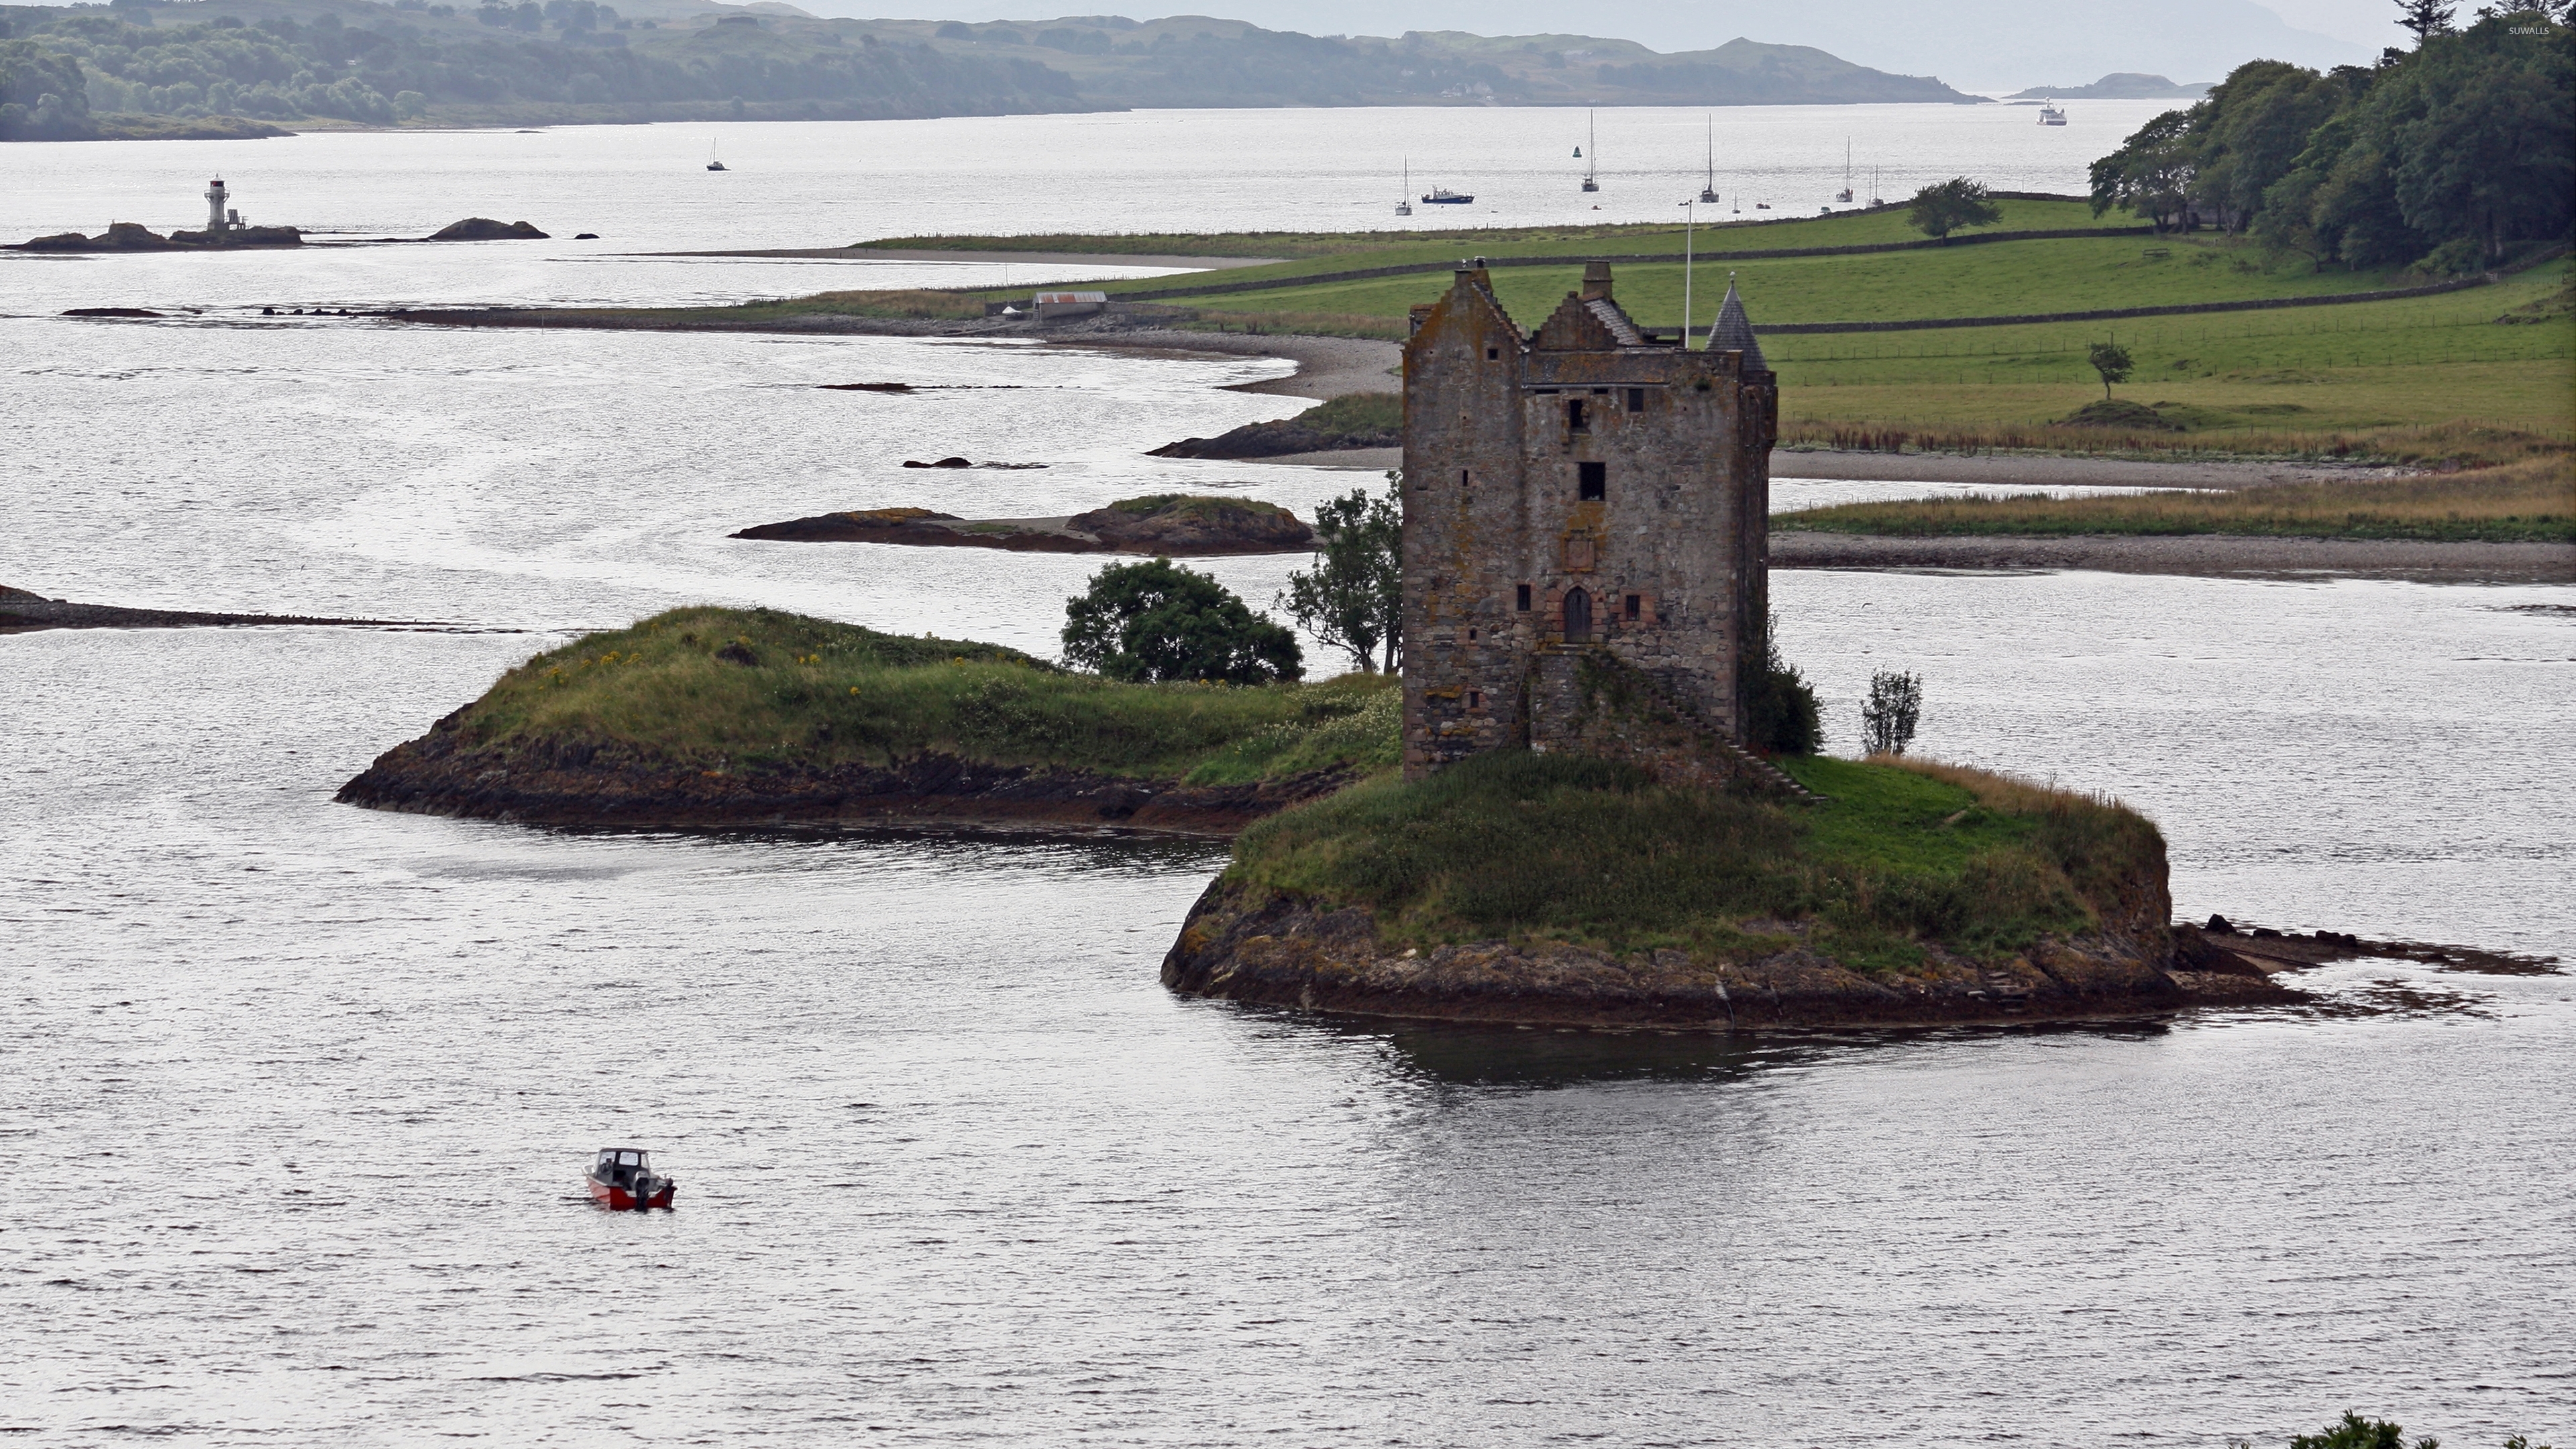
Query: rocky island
{"type": "Point", "coordinates": [1171, 525]}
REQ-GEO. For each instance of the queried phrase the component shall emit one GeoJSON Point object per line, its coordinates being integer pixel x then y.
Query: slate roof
{"type": "Point", "coordinates": [1733, 332]}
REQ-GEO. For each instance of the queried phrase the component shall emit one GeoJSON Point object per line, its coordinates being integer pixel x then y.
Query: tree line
{"type": "Point", "coordinates": [2440, 158]}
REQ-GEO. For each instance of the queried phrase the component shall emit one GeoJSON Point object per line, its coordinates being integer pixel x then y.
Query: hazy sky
{"type": "Point", "coordinates": [1973, 44]}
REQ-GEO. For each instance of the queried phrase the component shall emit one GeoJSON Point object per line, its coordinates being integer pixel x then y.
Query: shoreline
{"type": "Point", "coordinates": [573, 785]}
{"type": "Point", "coordinates": [1035, 259]}
{"type": "Point", "coordinates": [2205, 555]}
{"type": "Point", "coordinates": [25, 613]}
{"type": "Point", "coordinates": [1327, 367]}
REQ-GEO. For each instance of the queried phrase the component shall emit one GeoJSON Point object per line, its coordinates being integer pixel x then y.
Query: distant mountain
{"type": "Point", "coordinates": [2119, 86]}
{"type": "Point", "coordinates": [1977, 45]}
{"type": "Point", "coordinates": [523, 62]}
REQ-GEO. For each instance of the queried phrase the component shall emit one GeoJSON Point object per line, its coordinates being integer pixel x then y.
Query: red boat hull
{"type": "Point", "coordinates": [618, 1199]}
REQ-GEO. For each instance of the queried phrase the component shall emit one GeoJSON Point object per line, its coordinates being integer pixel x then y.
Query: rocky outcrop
{"type": "Point", "coordinates": [484, 228]}
{"type": "Point", "coordinates": [573, 783]}
{"type": "Point", "coordinates": [1174, 527]}
{"type": "Point", "coordinates": [1276, 440]}
{"type": "Point", "coordinates": [1184, 525]}
{"type": "Point", "coordinates": [127, 236]}
{"type": "Point", "coordinates": [1243, 943]}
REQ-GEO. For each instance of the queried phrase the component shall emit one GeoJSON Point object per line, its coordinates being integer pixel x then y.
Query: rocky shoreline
{"type": "Point", "coordinates": [1170, 527]}
{"type": "Point", "coordinates": [606, 787]}
{"type": "Point", "coordinates": [22, 612]}
{"type": "Point", "coordinates": [1241, 944]}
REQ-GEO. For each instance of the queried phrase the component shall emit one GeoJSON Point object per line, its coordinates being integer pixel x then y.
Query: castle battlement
{"type": "Point", "coordinates": [1585, 486]}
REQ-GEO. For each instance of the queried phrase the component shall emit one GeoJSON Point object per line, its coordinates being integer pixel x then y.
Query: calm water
{"type": "Point", "coordinates": [295, 1096]}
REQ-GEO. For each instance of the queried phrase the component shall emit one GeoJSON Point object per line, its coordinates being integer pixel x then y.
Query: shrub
{"type": "Point", "coordinates": [1156, 623]}
{"type": "Point", "coordinates": [1895, 705]}
{"type": "Point", "coordinates": [1781, 716]}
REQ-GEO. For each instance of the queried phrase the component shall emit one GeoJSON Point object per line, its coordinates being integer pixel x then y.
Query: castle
{"type": "Point", "coordinates": [1592, 486]}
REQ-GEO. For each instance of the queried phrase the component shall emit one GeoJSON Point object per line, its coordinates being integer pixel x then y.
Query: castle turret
{"type": "Point", "coordinates": [1584, 489]}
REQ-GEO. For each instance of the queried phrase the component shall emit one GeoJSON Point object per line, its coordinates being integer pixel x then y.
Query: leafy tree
{"type": "Point", "coordinates": [1780, 712]}
{"type": "Point", "coordinates": [2151, 174]}
{"type": "Point", "coordinates": [1353, 599]}
{"type": "Point", "coordinates": [2112, 361]}
{"type": "Point", "coordinates": [1944, 207]}
{"type": "Point", "coordinates": [1895, 706]}
{"type": "Point", "coordinates": [1159, 623]}
{"type": "Point", "coordinates": [2427, 18]}
{"type": "Point", "coordinates": [43, 95]}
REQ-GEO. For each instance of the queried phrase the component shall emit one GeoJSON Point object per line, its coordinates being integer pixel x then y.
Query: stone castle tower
{"type": "Point", "coordinates": [1585, 487]}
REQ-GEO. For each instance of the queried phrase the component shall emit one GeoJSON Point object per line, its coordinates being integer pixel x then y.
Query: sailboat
{"type": "Point", "coordinates": [1404, 198]}
{"type": "Point", "coordinates": [1708, 193]}
{"type": "Point", "coordinates": [1845, 195]}
{"type": "Point", "coordinates": [1873, 188]}
{"type": "Point", "coordinates": [1590, 143]}
{"type": "Point", "coordinates": [712, 163]}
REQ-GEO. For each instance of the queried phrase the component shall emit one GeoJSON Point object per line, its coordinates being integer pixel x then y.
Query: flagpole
{"type": "Point", "coordinates": [1690, 219]}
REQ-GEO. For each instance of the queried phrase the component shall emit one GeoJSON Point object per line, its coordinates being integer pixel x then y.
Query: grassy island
{"type": "Point", "coordinates": [1901, 855]}
{"type": "Point", "coordinates": [710, 717]}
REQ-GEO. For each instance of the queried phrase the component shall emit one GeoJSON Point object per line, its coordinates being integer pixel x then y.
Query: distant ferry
{"type": "Point", "coordinates": [1443, 196]}
{"type": "Point", "coordinates": [2050, 114]}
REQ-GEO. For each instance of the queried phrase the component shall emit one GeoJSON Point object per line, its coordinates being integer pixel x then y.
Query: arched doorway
{"type": "Point", "coordinates": [1578, 617]}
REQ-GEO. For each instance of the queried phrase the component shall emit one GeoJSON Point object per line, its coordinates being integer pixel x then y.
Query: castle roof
{"type": "Point", "coordinates": [1733, 332]}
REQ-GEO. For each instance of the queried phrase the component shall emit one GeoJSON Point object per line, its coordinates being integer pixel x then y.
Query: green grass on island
{"type": "Point", "coordinates": [1539, 848]}
{"type": "Point", "coordinates": [2530, 502]}
{"type": "Point", "coordinates": [754, 689]}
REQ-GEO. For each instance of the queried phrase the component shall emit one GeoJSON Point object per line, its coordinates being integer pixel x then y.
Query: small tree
{"type": "Point", "coordinates": [1887, 721]}
{"type": "Point", "coordinates": [2112, 361]}
{"type": "Point", "coordinates": [1353, 599]}
{"type": "Point", "coordinates": [1159, 623]}
{"type": "Point", "coordinates": [1949, 205]}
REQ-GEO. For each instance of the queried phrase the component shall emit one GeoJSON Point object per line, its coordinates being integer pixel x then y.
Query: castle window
{"type": "Point", "coordinates": [1574, 420]}
{"type": "Point", "coordinates": [1493, 354]}
{"type": "Point", "coordinates": [1591, 482]}
{"type": "Point", "coordinates": [1464, 477]}
{"type": "Point", "coordinates": [1636, 399]}
{"type": "Point", "coordinates": [1471, 636]}
{"type": "Point", "coordinates": [1524, 598]}
{"type": "Point", "coordinates": [1633, 604]}
{"type": "Point", "coordinates": [1578, 616]}
{"type": "Point", "coordinates": [1475, 699]}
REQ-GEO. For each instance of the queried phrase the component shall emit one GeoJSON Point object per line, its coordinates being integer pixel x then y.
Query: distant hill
{"type": "Point", "coordinates": [565, 61]}
{"type": "Point", "coordinates": [2119, 86]}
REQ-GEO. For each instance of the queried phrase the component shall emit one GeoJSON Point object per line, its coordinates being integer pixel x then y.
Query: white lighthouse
{"type": "Point", "coordinates": [217, 217]}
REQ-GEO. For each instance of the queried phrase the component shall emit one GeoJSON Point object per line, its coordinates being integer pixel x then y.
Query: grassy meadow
{"type": "Point", "coordinates": [754, 688]}
{"type": "Point", "coordinates": [1536, 848]}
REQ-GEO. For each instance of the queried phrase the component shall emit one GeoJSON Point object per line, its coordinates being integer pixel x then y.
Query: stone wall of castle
{"type": "Point", "coordinates": [1582, 484]}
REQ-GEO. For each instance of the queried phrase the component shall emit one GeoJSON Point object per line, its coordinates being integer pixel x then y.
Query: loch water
{"type": "Point", "coordinates": [294, 1097]}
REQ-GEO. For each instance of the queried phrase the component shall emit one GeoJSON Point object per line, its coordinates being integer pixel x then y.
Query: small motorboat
{"type": "Point", "coordinates": [1443, 196]}
{"type": "Point", "coordinates": [623, 1179]}
{"type": "Point", "coordinates": [2051, 113]}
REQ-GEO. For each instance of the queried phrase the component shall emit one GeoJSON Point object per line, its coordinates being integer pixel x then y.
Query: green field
{"type": "Point", "coordinates": [1534, 848]}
